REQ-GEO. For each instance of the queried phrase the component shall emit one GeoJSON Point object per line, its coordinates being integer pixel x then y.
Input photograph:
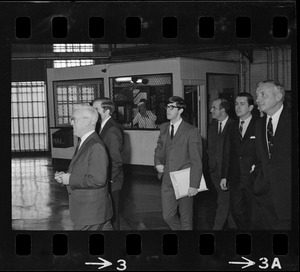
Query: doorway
{"type": "Point", "coordinates": [196, 108]}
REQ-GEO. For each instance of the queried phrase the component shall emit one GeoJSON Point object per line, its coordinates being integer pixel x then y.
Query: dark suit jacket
{"type": "Point", "coordinates": [215, 146]}
{"type": "Point", "coordinates": [89, 198]}
{"type": "Point", "coordinates": [275, 177]}
{"type": "Point", "coordinates": [113, 137]}
{"type": "Point", "coordinates": [239, 156]}
{"type": "Point", "coordinates": [184, 151]}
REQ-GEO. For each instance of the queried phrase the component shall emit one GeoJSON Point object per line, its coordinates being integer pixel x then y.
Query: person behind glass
{"type": "Point", "coordinates": [113, 137]}
{"type": "Point", "coordinates": [239, 160]}
{"type": "Point", "coordinates": [144, 118]}
{"type": "Point", "coordinates": [177, 149]}
{"type": "Point", "coordinates": [86, 179]}
{"type": "Point", "coordinates": [273, 186]}
{"type": "Point", "coordinates": [216, 134]}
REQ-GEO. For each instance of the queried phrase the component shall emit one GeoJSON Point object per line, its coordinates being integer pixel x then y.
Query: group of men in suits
{"type": "Point", "coordinates": [249, 163]}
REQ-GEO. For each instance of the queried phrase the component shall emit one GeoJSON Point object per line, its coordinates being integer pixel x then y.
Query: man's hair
{"type": "Point", "coordinates": [88, 110]}
{"type": "Point", "coordinates": [249, 97]}
{"type": "Point", "coordinates": [278, 86]}
{"type": "Point", "coordinates": [178, 100]}
{"type": "Point", "coordinates": [224, 104]}
{"type": "Point", "coordinates": [106, 104]}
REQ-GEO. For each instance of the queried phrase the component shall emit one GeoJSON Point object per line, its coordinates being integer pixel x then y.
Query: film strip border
{"type": "Point", "coordinates": [185, 22]}
{"type": "Point", "coordinates": [148, 251]}
{"type": "Point", "coordinates": [219, 22]}
{"type": "Point", "coordinates": [169, 27]}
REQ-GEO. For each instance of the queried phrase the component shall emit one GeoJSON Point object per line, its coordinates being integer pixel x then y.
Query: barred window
{"type": "Point", "coordinates": [69, 93]}
{"type": "Point", "coordinates": [29, 116]}
{"type": "Point", "coordinates": [72, 63]}
{"type": "Point", "coordinates": [73, 47]}
{"type": "Point", "coordinates": [129, 91]}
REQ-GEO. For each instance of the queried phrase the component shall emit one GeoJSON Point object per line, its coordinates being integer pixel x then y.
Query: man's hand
{"type": "Point", "coordinates": [65, 178]}
{"type": "Point", "coordinates": [159, 168]}
{"type": "Point", "coordinates": [223, 184]}
{"type": "Point", "coordinates": [192, 191]}
{"type": "Point", "coordinates": [62, 178]}
{"type": "Point", "coordinates": [58, 175]}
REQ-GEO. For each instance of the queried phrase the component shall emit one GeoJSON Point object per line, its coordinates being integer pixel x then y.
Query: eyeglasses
{"type": "Point", "coordinates": [73, 119]}
{"type": "Point", "coordinates": [170, 107]}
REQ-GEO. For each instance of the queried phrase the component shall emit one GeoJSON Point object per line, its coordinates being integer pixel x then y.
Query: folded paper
{"type": "Point", "coordinates": [181, 182]}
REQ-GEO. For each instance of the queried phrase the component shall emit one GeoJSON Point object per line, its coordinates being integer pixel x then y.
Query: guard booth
{"type": "Point", "coordinates": [197, 81]}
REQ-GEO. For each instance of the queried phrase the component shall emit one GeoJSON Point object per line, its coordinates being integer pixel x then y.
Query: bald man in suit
{"type": "Point", "coordinates": [86, 179]}
{"type": "Point", "coordinates": [273, 186]}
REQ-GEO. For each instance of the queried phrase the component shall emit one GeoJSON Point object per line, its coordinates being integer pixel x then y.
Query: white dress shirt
{"type": "Point", "coordinates": [176, 125]}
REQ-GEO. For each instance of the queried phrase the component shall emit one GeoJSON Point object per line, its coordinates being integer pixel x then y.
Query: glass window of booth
{"type": "Point", "coordinates": [69, 93]}
{"type": "Point", "coordinates": [140, 99]}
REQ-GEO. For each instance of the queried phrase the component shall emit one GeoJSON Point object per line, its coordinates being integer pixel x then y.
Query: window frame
{"type": "Point", "coordinates": [78, 83]}
{"type": "Point", "coordinates": [134, 106]}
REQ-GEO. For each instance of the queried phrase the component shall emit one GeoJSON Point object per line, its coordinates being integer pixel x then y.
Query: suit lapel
{"type": "Point", "coordinates": [280, 130]}
{"type": "Point", "coordinates": [179, 131]}
{"type": "Point", "coordinates": [263, 132]}
{"type": "Point", "coordinates": [81, 149]}
{"type": "Point", "coordinates": [250, 129]}
{"type": "Point", "coordinates": [105, 129]}
{"type": "Point", "coordinates": [226, 125]}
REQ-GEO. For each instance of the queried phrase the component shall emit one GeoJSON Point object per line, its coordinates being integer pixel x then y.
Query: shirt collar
{"type": "Point", "coordinates": [104, 122]}
{"type": "Point", "coordinates": [276, 115]}
{"type": "Point", "coordinates": [176, 124]}
{"type": "Point", "coordinates": [85, 136]}
{"type": "Point", "coordinates": [224, 121]}
{"type": "Point", "coordinates": [247, 120]}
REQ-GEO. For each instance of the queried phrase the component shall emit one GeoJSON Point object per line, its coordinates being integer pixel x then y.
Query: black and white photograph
{"type": "Point", "coordinates": [127, 123]}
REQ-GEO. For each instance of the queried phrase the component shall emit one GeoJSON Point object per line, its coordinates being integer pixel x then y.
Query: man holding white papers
{"type": "Point", "coordinates": [178, 147]}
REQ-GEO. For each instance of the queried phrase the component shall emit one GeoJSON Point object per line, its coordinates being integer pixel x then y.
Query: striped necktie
{"type": "Point", "coordinates": [241, 129]}
{"type": "Point", "coordinates": [270, 136]}
{"type": "Point", "coordinates": [77, 147]}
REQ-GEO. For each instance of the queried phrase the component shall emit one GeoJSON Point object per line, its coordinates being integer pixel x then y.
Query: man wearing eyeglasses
{"type": "Point", "coordinates": [178, 147]}
{"type": "Point", "coordinates": [86, 179]}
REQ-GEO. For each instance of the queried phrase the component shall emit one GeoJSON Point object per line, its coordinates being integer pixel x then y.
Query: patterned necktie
{"type": "Point", "coordinates": [270, 136]}
{"type": "Point", "coordinates": [220, 129]}
{"type": "Point", "coordinates": [241, 129]}
{"type": "Point", "coordinates": [77, 147]}
{"type": "Point", "coordinates": [172, 131]}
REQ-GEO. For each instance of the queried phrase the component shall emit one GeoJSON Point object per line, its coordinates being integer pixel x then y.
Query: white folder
{"type": "Point", "coordinates": [181, 182]}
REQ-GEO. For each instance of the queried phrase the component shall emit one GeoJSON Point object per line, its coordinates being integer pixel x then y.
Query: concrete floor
{"type": "Point", "coordinates": [40, 203]}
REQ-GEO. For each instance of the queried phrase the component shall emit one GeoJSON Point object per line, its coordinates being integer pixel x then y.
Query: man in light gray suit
{"type": "Point", "coordinates": [178, 147]}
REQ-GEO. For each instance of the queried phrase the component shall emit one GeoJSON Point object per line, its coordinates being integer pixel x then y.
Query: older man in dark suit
{"type": "Point", "coordinates": [216, 134]}
{"type": "Point", "coordinates": [113, 137]}
{"type": "Point", "coordinates": [239, 160]}
{"type": "Point", "coordinates": [86, 179]}
{"type": "Point", "coordinates": [178, 147]}
{"type": "Point", "coordinates": [273, 186]}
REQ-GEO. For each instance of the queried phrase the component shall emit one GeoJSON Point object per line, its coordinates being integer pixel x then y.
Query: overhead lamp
{"type": "Point", "coordinates": [123, 79]}
{"type": "Point", "coordinates": [134, 80]}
